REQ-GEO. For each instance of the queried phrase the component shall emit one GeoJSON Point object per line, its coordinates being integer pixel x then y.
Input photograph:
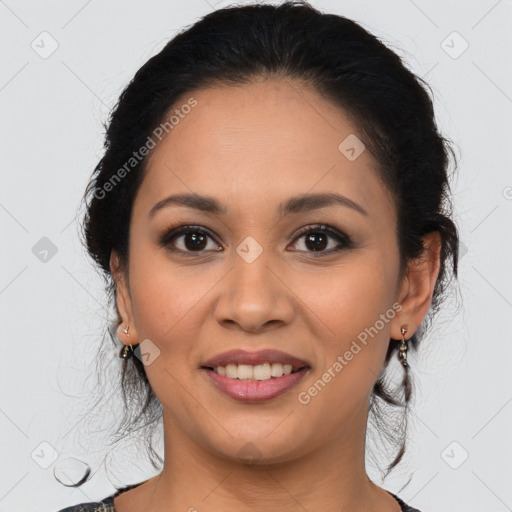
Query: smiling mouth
{"type": "Point", "coordinates": [258, 372]}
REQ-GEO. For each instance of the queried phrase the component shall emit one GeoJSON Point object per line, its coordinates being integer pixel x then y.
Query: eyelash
{"type": "Point", "coordinates": [346, 243]}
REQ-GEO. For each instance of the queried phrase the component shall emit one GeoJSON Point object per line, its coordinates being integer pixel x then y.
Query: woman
{"type": "Point", "coordinates": [272, 211]}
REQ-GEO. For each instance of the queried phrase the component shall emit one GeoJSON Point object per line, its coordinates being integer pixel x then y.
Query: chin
{"type": "Point", "coordinates": [260, 450]}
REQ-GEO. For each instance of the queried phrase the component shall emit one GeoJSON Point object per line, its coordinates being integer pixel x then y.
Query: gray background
{"type": "Point", "coordinates": [53, 306]}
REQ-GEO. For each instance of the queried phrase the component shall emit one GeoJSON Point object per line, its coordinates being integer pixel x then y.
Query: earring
{"type": "Point", "coordinates": [127, 350]}
{"type": "Point", "coordinates": [402, 354]}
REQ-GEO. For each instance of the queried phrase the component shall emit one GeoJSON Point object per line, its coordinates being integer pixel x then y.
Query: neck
{"type": "Point", "coordinates": [331, 478]}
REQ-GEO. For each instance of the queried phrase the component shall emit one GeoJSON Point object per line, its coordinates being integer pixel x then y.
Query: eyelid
{"type": "Point", "coordinates": [319, 227]}
{"type": "Point", "coordinates": [344, 240]}
{"type": "Point", "coordinates": [172, 233]}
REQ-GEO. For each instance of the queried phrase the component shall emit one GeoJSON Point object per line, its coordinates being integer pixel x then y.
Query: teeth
{"type": "Point", "coordinates": [245, 371]}
{"type": "Point", "coordinates": [263, 371]}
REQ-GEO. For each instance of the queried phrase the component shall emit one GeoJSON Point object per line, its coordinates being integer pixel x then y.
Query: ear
{"type": "Point", "coordinates": [123, 301]}
{"type": "Point", "coordinates": [417, 287]}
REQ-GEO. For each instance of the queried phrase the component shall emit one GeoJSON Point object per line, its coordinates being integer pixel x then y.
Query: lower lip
{"type": "Point", "coordinates": [255, 390]}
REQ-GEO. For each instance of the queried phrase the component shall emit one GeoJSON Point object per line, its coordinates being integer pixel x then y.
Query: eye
{"type": "Point", "coordinates": [188, 240]}
{"type": "Point", "coordinates": [317, 239]}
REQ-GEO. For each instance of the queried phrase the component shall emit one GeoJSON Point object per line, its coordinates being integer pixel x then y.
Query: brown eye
{"type": "Point", "coordinates": [188, 239]}
{"type": "Point", "coordinates": [316, 239]}
{"type": "Point", "coordinates": [195, 241]}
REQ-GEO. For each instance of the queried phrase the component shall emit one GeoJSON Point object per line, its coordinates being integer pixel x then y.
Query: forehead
{"type": "Point", "coordinates": [257, 143]}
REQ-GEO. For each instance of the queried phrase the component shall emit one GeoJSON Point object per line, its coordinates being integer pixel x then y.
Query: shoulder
{"type": "Point", "coordinates": [403, 505]}
{"type": "Point", "coordinates": [407, 508]}
{"type": "Point", "coordinates": [106, 505]}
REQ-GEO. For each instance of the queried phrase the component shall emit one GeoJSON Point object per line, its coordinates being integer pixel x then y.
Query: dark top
{"type": "Point", "coordinates": [107, 505]}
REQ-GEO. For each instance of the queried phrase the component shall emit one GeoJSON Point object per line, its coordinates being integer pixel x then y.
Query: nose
{"type": "Point", "coordinates": [254, 297]}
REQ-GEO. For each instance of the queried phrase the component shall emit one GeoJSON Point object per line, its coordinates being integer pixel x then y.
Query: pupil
{"type": "Point", "coordinates": [197, 239]}
{"type": "Point", "coordinates": [316, 245]}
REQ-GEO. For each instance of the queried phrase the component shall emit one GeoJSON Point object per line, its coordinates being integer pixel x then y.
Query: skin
{"type": "Point", "coordinates": [252, 147]}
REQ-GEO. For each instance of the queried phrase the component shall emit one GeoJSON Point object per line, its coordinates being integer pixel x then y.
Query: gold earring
{"type": "Point", "coordinates": [402, 354]}
{"type": "Point", "coordinates": [126, 350]}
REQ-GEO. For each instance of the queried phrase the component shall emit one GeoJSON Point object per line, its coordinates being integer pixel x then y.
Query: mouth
{"type": "Point", "coordinates": [251, 389]}
{"type": "Point", "coordinates": [259, 372]}
{"type": "Point", "coordinates": [255, 359]}
{"type": "Point", "coordinates": [255, 376]}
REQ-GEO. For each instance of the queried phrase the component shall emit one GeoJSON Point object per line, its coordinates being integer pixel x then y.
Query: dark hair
{"type": "Point", "coordinates": [345, 64]}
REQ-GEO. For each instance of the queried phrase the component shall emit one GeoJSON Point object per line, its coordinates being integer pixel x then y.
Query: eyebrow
{"type": "Point", "coordinates": [294, 205]}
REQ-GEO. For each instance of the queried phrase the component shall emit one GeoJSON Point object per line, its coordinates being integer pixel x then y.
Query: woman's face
{"type": "Point", "coordinates": [254, 282]}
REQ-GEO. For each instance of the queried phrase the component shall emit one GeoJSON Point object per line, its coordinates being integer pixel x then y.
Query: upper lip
{"type": "Point", "coordinates": [254, 358]}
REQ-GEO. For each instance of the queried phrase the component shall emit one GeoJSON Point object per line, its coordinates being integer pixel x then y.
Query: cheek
{"type": "Point", "coordinates": [351, 303]}
{"type": "Point", "coordinates": [167, 305]}
{"type": "Point", "coordinates": [354, 303]}
{"type": "Point", "coordinates": [164, 296]}
{"type": "Point", "coordinates": [349, 297]}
